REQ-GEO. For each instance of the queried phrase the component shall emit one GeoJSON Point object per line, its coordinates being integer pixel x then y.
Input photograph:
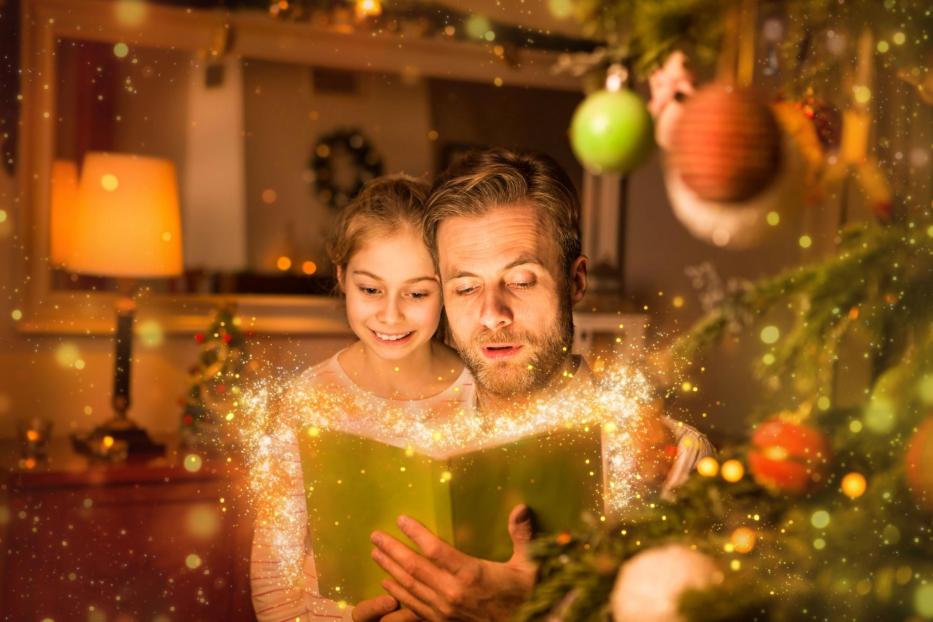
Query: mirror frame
{"type": "Point", "coordinates": [256, 35]}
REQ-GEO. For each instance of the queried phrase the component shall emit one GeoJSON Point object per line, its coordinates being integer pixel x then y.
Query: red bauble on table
{"type": "Point", "coordinates": [788, 457]}
{"type": "Point", "coordinates": [726, 145]}
{"type": "Point", "coordinates": [918, 464]}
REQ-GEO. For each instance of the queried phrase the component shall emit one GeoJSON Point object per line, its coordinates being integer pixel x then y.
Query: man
{"type": "Point", "coordinates": [504, 229]}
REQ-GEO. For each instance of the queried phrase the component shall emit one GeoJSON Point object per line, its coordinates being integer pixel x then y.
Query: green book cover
{"type": "Point", "coordinates": [355, 485]}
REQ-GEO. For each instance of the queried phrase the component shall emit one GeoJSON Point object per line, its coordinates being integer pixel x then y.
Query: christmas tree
{"type": "Point", "coordinates": [215, 381]}
{"type": "Point", "coordinates": [825, 510]}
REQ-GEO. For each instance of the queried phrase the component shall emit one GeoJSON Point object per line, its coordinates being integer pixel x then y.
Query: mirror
{"type": "Point", "coordinates": [271, 127]}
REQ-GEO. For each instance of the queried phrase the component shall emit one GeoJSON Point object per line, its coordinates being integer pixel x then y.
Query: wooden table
{"type": "Point", "coordinates": [152, 541]}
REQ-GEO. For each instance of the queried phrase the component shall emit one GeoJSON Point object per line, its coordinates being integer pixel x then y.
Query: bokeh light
{"type": "Point", "coordinates": [743, 540]}
{"type": "Point", "coordinates": [854, 485]}
{"type": "Point", "coordinates": [708, 466]}
{"type": "Point", "coordinates": [193, 463]}
{"type": "Point", "coordinates": [203, 522]}
{"type": "Point", "coordinates": [109, 182]}
{"type": "Point", "coordinates": [923, 600]}
{"type": "Point", "coordinates": [477, 26]}
{"type": "Point", "coordinates": [732, 471]}
{"type": "Point", "coordinates": [130, 12]}
{"type": "Point", "coordinates": [151, 333]}
{"type": "Point", "coordinates": [820, 519]}
{"type": "Point", "coordinates": [561, 9]}
{"type": "Point", "coordinates": [770, 334]}
{"type": "Point", "coordinates": [67, 353]}
{"type": "Point", "coordinates": [879, 416]}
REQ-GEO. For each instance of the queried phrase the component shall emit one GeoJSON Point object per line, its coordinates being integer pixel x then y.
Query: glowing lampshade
{"type": "Point", "coordinates": [128, 222]}
{"type": "Point", "coordinates": [64, 206]}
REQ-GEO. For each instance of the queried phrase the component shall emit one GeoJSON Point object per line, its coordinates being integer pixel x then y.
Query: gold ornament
{"type": "Point", "coordinates": [732, 471]}
{"type": "Point", "coordinates": [708, 467]}
{"type": "Point", "coordinates": [743, 540]}
{"type": "Point", "coordinates": [854, 485]}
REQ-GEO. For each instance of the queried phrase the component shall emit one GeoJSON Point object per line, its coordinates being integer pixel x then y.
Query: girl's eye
{"type": "Point", "coordinates": [419, 295]}
{"type": "Point", "coordinates": [369, 291]}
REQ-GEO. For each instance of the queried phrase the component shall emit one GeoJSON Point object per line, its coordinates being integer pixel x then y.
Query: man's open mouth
{"type": "Point", "coordinates": [393, 338]}
{"type": "Point", "coordinates": [500, 350]}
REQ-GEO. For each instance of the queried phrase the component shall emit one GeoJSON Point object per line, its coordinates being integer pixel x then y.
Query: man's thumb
{"type": "Point", "coordinates": [521, 529]}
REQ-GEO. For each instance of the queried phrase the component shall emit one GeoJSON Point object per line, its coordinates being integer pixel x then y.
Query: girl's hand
{"type": "Point", "coordinates": [375, 609]}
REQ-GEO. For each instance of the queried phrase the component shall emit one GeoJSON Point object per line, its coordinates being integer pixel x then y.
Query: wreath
{"type": "Point", "coordinates": [341, 163]}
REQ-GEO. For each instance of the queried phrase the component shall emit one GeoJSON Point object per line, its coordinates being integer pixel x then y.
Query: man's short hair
{"type": "Point", "coordinates": [482, 180]}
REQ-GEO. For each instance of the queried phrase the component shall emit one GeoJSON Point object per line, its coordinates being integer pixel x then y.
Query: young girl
{"type": "Point", "coordinates": [393, 305]}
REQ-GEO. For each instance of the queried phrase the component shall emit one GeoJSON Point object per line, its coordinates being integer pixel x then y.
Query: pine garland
{"type": "Point", "coordinates": [643, 33]}
{"type": "Point", "coordinates": [878, 547]}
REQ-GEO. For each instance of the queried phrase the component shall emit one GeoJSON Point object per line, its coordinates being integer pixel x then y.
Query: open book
{"type": "Point", "coordinates": [355, 485]}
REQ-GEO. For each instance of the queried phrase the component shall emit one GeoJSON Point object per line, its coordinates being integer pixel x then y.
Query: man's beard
{"type": "Point", "coordinates": [509, 378]}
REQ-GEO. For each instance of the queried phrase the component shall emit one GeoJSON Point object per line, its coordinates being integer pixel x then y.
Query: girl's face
{"type": "Point", "coordinates": [393, 294]}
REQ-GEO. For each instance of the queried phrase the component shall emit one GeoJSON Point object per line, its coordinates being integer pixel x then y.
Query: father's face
{"type": "Point", "coordinates": [507, 300]}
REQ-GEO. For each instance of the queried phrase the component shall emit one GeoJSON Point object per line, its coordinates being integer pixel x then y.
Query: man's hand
{"type": "Point", "coordinates": [441, 583]}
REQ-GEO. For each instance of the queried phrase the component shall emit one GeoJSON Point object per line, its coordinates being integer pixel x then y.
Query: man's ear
{"type": "Point", "coordinates": [578, 279]}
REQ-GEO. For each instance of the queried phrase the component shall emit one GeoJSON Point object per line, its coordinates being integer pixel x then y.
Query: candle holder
{"type": "Point", "coordinates": [33, 435]}
{"type": "Point", "coordinates": [106, 448]}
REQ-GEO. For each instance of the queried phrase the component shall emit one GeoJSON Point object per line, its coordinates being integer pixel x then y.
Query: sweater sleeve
{"type": "Point", "coordinates": [283, 580]}
{"type": "Point", "coordinates": [692, 446]}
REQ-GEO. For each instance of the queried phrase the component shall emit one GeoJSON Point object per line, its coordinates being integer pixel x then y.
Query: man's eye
{"type": "Point", "coordinates": [522, 284]}
{"type": "Point", "coordinates": [464, 291]}
{"type": "Point", "coordinates": [369, 291]}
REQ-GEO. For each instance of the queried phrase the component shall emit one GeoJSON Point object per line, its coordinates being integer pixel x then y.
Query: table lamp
{"type": "Point", "coordinates": [64, 205]}
{"type": "Point", "coordinates": [127, 225]}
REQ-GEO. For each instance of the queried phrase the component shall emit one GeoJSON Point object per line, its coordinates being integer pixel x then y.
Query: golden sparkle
{"type": "Point", "coordinates": [273, 411]}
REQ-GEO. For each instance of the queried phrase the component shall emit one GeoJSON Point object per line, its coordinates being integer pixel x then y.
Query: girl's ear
{"type": "Point", "coordinates": [340, 276]}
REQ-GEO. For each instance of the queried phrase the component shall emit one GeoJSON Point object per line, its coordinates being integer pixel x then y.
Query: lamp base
{"type": "Point", "coordinates": [121, 430]}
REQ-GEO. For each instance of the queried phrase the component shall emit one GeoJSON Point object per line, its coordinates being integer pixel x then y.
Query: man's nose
{"type": "Point", "coordinates": [495, 312]}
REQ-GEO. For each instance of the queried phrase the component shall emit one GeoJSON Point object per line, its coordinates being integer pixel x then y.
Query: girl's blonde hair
{"type": "Point", "coordinates": [384, 205]}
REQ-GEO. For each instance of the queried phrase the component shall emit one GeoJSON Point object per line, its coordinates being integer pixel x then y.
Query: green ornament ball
{"type": "Point", "coordinates": [612, 132]}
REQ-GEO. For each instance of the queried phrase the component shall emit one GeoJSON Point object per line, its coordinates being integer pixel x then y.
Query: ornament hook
{"type": "Point", "coordinates": [616, 76]}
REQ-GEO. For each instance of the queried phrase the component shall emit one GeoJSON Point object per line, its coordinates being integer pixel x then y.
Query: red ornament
{"type": "Point", "coordinates": [726, 145]}
{"type": "Point", "coordinates": [788, 456]}
{"type": "Point", "coordinates": [199, 337]}
{"type": "Point", "coordinates": [827, 120]}
{"type": "Point", "coordinates": [918, 464]}
{"type": "Point", "coordinates": [228, 337]}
